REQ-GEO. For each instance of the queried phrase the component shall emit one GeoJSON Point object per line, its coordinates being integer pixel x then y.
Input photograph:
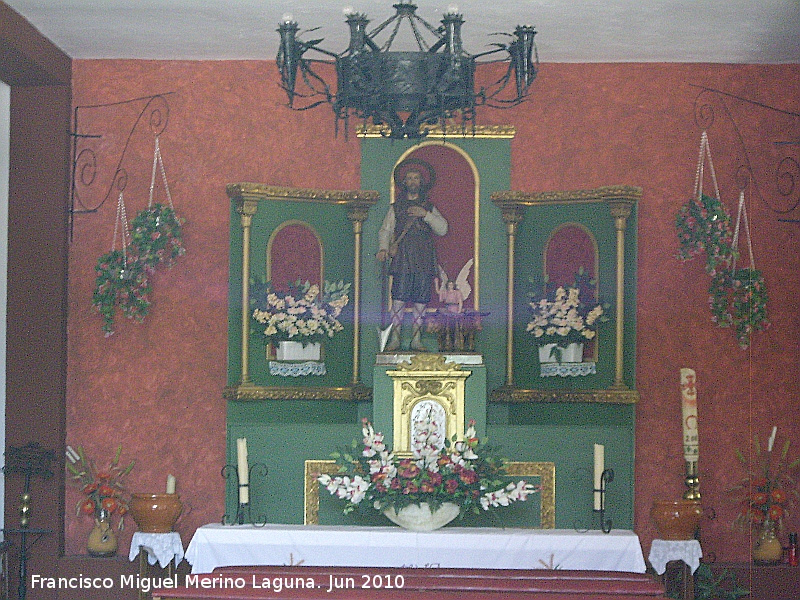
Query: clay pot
{"type": "Point", "coordinates": [155, 513]}
{"type": "Point", "coordinates": [676, 519]}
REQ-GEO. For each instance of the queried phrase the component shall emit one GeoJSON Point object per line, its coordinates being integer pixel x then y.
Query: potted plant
{"type": "Point", "coordinates": [561, 320]}
{"type": "Point", "coordinates": [427, 489]}
{"type": "Point", "coordinates": [765, 496]}
{"type": "Point", "coordinates": [103, 496]}
{"type": "Point", "coordinates": [302, 316]}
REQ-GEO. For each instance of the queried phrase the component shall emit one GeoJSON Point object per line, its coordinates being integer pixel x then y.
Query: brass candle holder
{"type": "Point", "coordinates": [692, 481]}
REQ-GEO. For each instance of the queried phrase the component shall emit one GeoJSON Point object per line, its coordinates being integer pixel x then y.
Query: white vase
{"type": "Point", "coordinates": [573, 353]}
{"type": "Point", "coordinates": [297, 351]}
{"type": "Point", "coordinates": [418, 517]}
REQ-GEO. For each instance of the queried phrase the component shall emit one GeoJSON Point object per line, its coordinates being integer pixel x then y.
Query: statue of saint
{"type": "Point", "coordinates": [406, 239]}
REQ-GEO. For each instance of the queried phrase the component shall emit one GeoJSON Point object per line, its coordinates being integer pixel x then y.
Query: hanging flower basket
{"type": "Point", "coordinates": [120, 283]}
{"type": "Point", "coordinates": [704, 226]}
{"type": "Point", "coordinates": [157, 237]}
{"type": "Point", "coordinates": [738, 299]}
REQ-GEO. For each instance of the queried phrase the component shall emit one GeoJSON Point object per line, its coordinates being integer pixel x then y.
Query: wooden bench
{"type": "Point", "coordinates": [356, 583]}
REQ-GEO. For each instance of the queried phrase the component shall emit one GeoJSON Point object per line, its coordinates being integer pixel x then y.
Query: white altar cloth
{"type": "Point", "coordinates": [219, 545]}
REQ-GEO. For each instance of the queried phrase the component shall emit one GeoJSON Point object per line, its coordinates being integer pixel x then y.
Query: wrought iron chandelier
{"type": "Point", "coordinates": [405, 93]}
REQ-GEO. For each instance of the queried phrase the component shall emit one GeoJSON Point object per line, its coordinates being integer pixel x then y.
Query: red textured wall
{"type": "Point", "coordinates": [156, 387]}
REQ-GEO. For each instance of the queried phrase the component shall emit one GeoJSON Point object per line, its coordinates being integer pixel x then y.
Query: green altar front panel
{"type": "Point", "coordinates": [335, 232]}
{"type": "Point", "coordinates": [283, 435]}
{"type": "Point", "coordinates": [492, 159]}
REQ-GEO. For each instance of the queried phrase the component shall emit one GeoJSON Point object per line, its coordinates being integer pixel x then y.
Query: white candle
{"type": "Point", "coordinates": [170, 484]}
{"type": "Point", "coordinates": [691, 441]}
{"type": "Point", "coordinates": [772, 438]}
{"type": "Point", "coordinates": [241, 457]}
{"type": "Point", "coordinates": [599, 467]}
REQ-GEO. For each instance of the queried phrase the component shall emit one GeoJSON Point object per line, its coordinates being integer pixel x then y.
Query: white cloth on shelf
{"type": "Point", "coordinates": [664, 551]}
{"type": "Point", "coordinates": [217, 545]}
{"type": "Point", "coordinates": [161, 547]}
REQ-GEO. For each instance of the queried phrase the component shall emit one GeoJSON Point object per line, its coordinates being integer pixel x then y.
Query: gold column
{"type": "Point", "coordinates": [246, 210]}
{"type": "Point", "coordinates": [620, 211]}
{"type": "Point", "coordinates": [512, 217]}
{"type": "Point", "coordinates": [357, 213]}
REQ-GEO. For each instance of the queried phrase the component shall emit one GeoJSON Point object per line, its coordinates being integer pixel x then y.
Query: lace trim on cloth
{"type": "Point", "coordinates": [296, 369]}
{"type": "Point", "coordinates": [568, 369]}
{"type": "Point", "coordinates": [161, 547]}
{"type": "Point", "coordinates": [664, 551]}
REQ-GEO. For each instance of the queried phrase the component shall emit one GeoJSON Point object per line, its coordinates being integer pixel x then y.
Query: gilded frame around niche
{"type": "Point", "coordinates": [545, 471]}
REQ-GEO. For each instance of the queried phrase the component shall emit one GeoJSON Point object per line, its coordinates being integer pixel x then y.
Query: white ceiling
{"type": "Point", "coordinates": [722, 31]}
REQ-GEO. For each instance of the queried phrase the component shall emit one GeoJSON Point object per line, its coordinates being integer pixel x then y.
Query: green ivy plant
{"type": "Point", "coordinates": [122, 283]}
{"type": "Point", "coordinates": [157, 236]}
{"type": "Point", "coordinates": [737, 297]}
{"type": "Point", "coordinates": [123, 277]}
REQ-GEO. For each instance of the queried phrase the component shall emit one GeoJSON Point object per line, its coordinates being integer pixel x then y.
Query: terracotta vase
{"type": "Point", "coordinates": [102, 539]}
{"type": "Point", "coordinates": [767, 549]}
{"type": "Point", "coordinates": [676, 519]}
{"type": "Point", "coordinates": [155, 513]}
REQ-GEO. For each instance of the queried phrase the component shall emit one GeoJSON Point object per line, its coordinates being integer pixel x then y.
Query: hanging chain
{"type": "Point", "coordinates": [157, 160]}
{"type": "Point", "coordinates": [121, 222]}
{"type": "Point", "coordinates": [741, 217]}
{"type": "Point", "coordinates": [705, 151]}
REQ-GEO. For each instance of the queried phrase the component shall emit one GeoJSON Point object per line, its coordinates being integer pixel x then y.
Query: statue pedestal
{"type": "Point", "coordinates": [457, 382]}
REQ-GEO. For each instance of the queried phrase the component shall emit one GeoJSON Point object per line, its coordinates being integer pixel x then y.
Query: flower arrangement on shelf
{"type": "Point", "coordinates": [770, 489]}
{"type": "Point", "coordinates": [562, 317]}
{"type": "Point", "coordinates": [304, 313]}
{"type": "Point", "coordinates": [102, 489]}
{"type": "Point", "coordinates": [467, 473]}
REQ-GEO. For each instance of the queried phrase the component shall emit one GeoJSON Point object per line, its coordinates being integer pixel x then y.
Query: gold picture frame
{"type": "Point", "coordinates": [545, 471]}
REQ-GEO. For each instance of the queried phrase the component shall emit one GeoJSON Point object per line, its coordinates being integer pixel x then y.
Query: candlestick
{"type": "Point", "coordinates": [241, 457]}
{"type": "Point", "coordinates": [243, 510]}
{"type": "Point", "coordinates": [599, 467]}
{"type": "Point", "coordinates": [170, 484]}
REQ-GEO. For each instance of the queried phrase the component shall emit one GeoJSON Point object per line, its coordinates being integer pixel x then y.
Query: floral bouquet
{"type": "Point", "coordinates": [562, 317]}
{"type": "Point", "coordinates": [157, 237]}
{"type": "Point", "coordinates": [466, 473]}
{"type": "Point", "coordinates": [304, 313]}
{"type": "Point", "coordinates": [103, 489]}
{"type": "Point", "coordinates": [121, 280]}
{"type": "Point", "coordinates": [770, 489]}
{"type": "Point", "coordinates": [738, 299]}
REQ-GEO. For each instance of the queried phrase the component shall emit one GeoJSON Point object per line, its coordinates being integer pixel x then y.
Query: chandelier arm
{"type": "Point", "coordinates": [421, 43]}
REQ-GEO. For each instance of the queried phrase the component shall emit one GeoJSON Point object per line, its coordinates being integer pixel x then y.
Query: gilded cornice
{"type": "Point", "coordinates": [519, 396]}
{"type": "Point", "coordinates": [452, 131]}
{"type": "Point", "coordinates": [259, 191]}
{"type": "Point", "coordinates": [356, 393]}
{"type": "Point", "coordinates": [621, 193]}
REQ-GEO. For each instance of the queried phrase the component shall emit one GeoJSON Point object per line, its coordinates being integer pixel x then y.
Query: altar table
{"type": "Point", "coordinates": [219, 545]}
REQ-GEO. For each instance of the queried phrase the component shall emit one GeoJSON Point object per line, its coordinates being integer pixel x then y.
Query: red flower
{"type": "Point", "coordinates": [427, 487]}
{"type": "Point", "coordinates": [411, 488]}
{"type": "Point", "coordinates": [103, 475]}
{"type": "Point", "coordinates": [435, 478]}
{"type": "Point", "coordinates": [110, 504]}
{"type": "Point", "coordinates": [775, 512]}
{"type": "Point", "coordinates": [778, 495]}
{"type": "Point", "coordinates": [451, 485]}
{"type": "Point", "coordinates": [106, 491]}
{"type": "Point", "coordinates": [91, 487]}
{"type": "Point", "coordinates": [87, 508]}
{"type": "Point", "coordinates": [759, 498]}
{"type": "Point", "coordinates": [468, 476]}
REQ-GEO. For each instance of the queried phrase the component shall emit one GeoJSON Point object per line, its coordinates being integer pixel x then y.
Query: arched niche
{"type": "Point", "coordinates": [294, 253]}
{"type": "Point", "coordinates": [456, 195]}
